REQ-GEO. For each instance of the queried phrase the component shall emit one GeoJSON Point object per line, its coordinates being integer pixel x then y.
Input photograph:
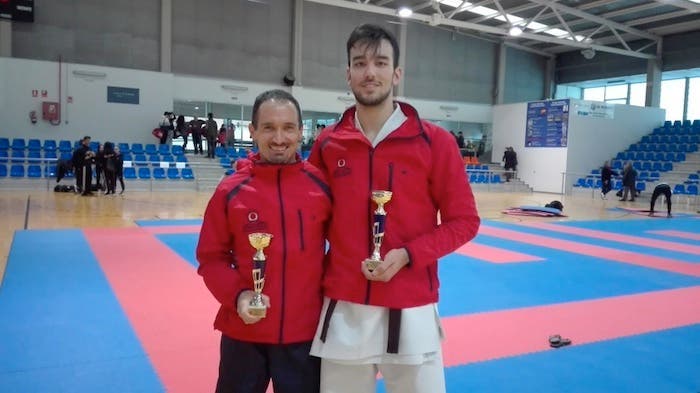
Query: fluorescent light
{"type": "Point", "coordinates": [89, 74]}
{"type": "Point", "coordinates": [405, 12]}
{"type": "Point", "coordinates": [451, 3]}
{"type": "Point", "coordinates": [234, 88]}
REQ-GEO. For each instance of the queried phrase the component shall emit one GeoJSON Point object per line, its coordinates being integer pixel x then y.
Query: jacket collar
{"type": "Point", "coordinates": [410, 128]}
{"type": "Point", "coordinates": [259, 168]}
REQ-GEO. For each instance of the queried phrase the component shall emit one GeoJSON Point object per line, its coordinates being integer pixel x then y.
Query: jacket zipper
{"type": "Point", "coordinates": [284, 250]}
{"type": "Point", "coordinates": [301, 229]}
{"type": "Point", "coordinates": [369, 209]}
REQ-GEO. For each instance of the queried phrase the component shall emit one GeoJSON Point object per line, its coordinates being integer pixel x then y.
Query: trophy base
{"type": "Point", "coordinates": [257, 311]}
{"type": "Point", "coordinates": [372, 264]}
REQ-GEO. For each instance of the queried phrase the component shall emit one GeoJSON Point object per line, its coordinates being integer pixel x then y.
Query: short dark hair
{"type": "Point", "coordinates": [276, 94]}
{"type": "Point", "coordinates": [372, 36]}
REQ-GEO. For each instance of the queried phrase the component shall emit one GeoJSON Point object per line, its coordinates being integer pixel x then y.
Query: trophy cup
{"type": "Point", "coordinates": [380, 198]}
{"type": "Point", "coordinates": [258, 241]}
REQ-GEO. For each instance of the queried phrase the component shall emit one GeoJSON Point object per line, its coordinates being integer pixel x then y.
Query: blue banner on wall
{"type": "Point", "coordinates": [547, 124]}
{"type": "Point", "coordinates": [122, 95]}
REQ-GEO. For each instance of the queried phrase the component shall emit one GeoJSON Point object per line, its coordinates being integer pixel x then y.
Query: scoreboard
{"type": "Point", "coordinates": [17, 10]}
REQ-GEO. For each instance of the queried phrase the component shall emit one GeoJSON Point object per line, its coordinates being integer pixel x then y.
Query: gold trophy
{"type": "Point", "coordinates": [258, 241]}
{"type": "Point", "coordinates": [380, 198]}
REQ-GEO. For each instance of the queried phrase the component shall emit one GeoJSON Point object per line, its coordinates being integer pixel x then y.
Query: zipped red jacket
{"type": "Point", "coordinates": [421, 164]}
{"type": "Point", "coordinates": [291, 202]}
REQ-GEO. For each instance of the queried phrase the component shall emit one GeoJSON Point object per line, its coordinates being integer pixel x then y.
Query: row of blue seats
{"type": "Point", "coordinates": [50, 145]}
{"type": "Point", "coordinates": [475, 178]}
{"type": "Point", "coordinates": [649, 156]}
{"type": "Point", "coordinates": [681, 123]}
{"type": "Point", "coordinates": [670, 139]}
{"type": "Point", "coordinates": [679, 189]}
{"type": "Point", "coordinates": [641, 176]}
{"type": "Point", "coordinates": [18, 156]}
{"type": "Point", "coordinates": [37, 171]}
{"type": "Point", "coordinates": [663, 147]}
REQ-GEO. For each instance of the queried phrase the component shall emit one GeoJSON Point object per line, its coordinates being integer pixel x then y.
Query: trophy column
{"type": "Point", "coordinates": [380, 198]}
{"type": "Point", "coordinates": [259, 241]}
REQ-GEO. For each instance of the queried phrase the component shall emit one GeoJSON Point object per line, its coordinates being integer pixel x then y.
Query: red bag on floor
{"type": "Point", "coordinates": [157, 132]}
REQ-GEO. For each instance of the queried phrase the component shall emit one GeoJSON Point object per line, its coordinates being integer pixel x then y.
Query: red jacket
{"type": "Point", "coordinates": [292, 202]}
{"type": "Point", "coordinates": [421, 164]}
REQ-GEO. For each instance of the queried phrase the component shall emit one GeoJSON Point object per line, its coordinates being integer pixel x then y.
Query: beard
{"type": "Point", "coordinates": [371, 101]}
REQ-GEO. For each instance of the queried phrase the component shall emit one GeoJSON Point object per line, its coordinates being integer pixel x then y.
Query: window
{"type": "Point", "coordinates": [616, 93]}
{"type": "Point", "coordinates": [638, 93]}
{"type": "Point", "coordinates": [594, 94]}
{"type": "Point", "coordinates": [694, 99]}
{"type": "Point", "coordinates": [672, 98]}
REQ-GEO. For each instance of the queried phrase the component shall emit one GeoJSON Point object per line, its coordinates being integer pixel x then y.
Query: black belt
{"type": "Point", "coordinates": [392, 345]}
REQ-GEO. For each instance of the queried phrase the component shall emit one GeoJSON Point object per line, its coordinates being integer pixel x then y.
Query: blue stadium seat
{"type": "Point", "coordinates": [18, 156]}
{"type": "Point", "coordinates": [50, 171]}
{"type": "Point", "coordinates": [34, 171]}
{"type": "Point", "coordinates": [130, 173]}
{"type": "Point", "coordinates": [3, 155]}
{"type": "Point", "coordinates": [4, 144]}
{"type": "Point", "coordinates": [17, 170]}
{"type": "Point", "coordinates": [173, 174]}
{"type": "Point", "coordinates": [225, 162]}
{"type": "Point", "coordinates": [3, 170]}
{"type": "Point", "coordinates": [151, 149]}
{"type": "Point", "coordinates": [137, 148]}
{"type": "Point", "coordinates": [124, 148]}
{"type": "Point", "coordinates": [50, 145]}
{"type": "Point", "coordinates": [692, 190]}
{"type": "Point", "coordinates": [65, 146]}
{"type": "Point", "coordinates": [679, 189]}
{"type": "Point", "coordinates": [163, 149]}
{"type": "Point", "coordinates": [140, 159]}
{"type": "Point", "coordinates": [177, 150]}
{"type": "Point", "coordinates": [18, 144]}
{"type": "Point", "coordinates": [154, 159]}
{"type": "Point", "coordinates": [159, 173]}
{"type": "Point", "coordinates": [187, 173]}
{"type": "Point", "coordinates": [144, 172]}
{"type": "Point", "coordinates": [34, 144]}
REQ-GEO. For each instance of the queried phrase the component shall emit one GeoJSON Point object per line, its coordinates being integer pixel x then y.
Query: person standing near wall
{"type": "Point", "coordinates": [606, 174]}
{"type": "Point", "coordinates": [629, 182]}
{"type": "Point", "coordinates": [79, 157]}
{"type": "Point", "coordinates": [212, 130]}
{"type": "Point", "coordinates": [369, 311]}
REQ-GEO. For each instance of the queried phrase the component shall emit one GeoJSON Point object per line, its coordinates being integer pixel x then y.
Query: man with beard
{"type": "Point", "coordinates": [382, 144]}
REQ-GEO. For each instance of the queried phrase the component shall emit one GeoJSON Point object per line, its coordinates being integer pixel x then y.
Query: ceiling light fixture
{"type": "Point", "coordinates": [515, 31]}
{"type": "Point", "coordinates": [405, 12]}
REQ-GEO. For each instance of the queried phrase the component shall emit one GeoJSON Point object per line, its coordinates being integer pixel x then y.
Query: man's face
{"type": "Point", "coordinates": [371, 74]}
{"type": "Point", "coordinates": [86, 141]}
{"type": "Point", "coordinates": [277, 133]}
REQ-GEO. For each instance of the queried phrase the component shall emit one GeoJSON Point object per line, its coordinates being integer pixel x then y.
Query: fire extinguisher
{"type": "Point", "coordinates": [32, 117]}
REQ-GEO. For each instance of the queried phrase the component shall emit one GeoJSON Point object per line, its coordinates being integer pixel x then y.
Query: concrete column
{"type": "Point", "coordinates": [653, 96]}
{"type": "Point", "coordinates": [297, 44]}
{"type": "Point", "coordinates": [5, 38]}
{"type": "Point", "coordinates": [166, 35]}
{"type": "Point", "coordinates": [400, 89]}
{"type": "Point", "coordinates": [549, 78]}
{"type": "Point", "coordinates": [500, 87]}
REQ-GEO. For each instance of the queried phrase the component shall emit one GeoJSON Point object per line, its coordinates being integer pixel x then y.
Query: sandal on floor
{"type": "Point", "coordinates": [556, 341]}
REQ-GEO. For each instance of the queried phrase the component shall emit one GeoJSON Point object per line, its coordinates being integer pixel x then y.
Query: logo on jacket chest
{"type": "Point", "coordinates": [254, 223]}
{"type": "Point", "coordinates": [341, 169]}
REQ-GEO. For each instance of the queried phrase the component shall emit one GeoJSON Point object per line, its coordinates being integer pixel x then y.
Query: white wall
{"type": "Point", "coordinates": [540, 167]}
{"type": "Point", "coordinates": [89, 113]}
{"type": "Point", "coordinates": [591, 141]}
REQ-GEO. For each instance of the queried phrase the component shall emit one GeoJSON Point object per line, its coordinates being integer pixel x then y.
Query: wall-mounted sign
{"type": "Point", "coordinates": [122, 95]}
{"type": "Point", "coordinates": [601, 110]}
{"type": "Point", "coordinates": [547, 123]}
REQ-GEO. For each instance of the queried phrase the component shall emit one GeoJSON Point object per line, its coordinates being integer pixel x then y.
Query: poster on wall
{"type": "Point", "coordinates": [600, 110]}
{"type": "Point", "coordinates": [547, 123]}
{"type": "Point", "coordinates": [122, 95]}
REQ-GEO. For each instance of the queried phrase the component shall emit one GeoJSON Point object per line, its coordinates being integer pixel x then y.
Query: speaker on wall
{"type": "Point", "coordinates": [288, 79]}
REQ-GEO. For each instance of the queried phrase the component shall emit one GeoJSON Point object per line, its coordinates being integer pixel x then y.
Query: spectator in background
{"type": "Point", "coordinates": [231, 135]}
{"type": "Point", "coordinates": [181, 130]}
{"type": "Point", "coordinates": [629, 182]}
{"type": "Point", "coordinates": [212, 131]}
{"type": "Point", "coordinates": [606, 174]}
{"type": "Point", "coordinates": [196, 132]}
{"type": "Point", "coordinates": [166, 125]}
{"type": "Point", "coordinates": [665, 190]}
{"type": "Point", "coordinates": [510, 158]}
{"type": "Point", "coordinates": [109, 167]}
{"type": "Point", "coordinates": [460, 140]}
{"type": "Point", "coordinates": [80, 156]}
{"type": "Point", "coordinates": [119, 169]}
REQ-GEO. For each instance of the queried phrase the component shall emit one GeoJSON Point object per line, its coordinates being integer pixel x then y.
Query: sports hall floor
{"type": "Point", "coordinates": [100, 294]}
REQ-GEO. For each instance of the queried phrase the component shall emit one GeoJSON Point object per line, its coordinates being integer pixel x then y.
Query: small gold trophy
{"type": "Point", "coordinates": [258, 241]}
{"type": "Point", "coordinates": [380, 198]}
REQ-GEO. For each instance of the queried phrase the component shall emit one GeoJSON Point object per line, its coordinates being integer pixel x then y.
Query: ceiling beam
{"type": "Point", "coordinates": [692, 7]}
{"type": "Point", "coordinates": [487, 29]}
